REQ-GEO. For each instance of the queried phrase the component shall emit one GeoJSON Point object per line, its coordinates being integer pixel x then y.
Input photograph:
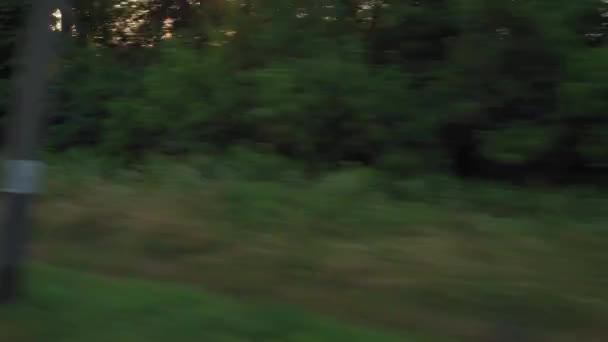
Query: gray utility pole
{"type": "Point", "coordinates": [22, 170]}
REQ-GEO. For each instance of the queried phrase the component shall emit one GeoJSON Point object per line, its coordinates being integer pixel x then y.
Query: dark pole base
{"type": "Point", "coordinates": [12, 249]}
{"type": "Point", "coordinates": [10, 287]}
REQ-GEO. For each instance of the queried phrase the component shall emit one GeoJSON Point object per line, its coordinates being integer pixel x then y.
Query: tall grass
{"type": "Point", "coordinates": [428, 254]}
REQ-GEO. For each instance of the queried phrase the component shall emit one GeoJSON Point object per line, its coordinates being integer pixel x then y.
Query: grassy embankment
{"type": "Point", "coordinates": [446, 259]}
{"type": "Point", "coordinates": [66, 306]}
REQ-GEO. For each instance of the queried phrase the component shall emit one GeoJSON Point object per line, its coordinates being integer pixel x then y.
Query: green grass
{"type": "Point", "coordinates": [432, 255]}
{"type": "Point", "coordinates": [65, 306]}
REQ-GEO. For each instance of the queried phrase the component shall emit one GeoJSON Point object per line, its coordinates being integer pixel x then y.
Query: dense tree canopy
{"type": "Point", "coordinates": [490, 88]}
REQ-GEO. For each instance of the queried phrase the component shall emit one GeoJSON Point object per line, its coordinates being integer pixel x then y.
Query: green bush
{"type": "Point", "coordinates": [491, 88]}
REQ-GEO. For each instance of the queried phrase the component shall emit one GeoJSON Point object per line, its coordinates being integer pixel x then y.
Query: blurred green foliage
{"type": "Point", "coordinates": [72, 307]}
{"type": "Point", "coordinates": [224, 125]}
{"type": "Point", "coordinates": [493, 89]}
{"type": "Point", "coordinates": [431, 254]}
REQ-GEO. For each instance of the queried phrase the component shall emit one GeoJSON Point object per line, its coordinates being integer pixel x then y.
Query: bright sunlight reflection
{"type": "Point", "coordinates": [56, 25]}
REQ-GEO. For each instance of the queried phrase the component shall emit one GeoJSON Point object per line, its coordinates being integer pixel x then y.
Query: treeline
{"type": "Point", "coordinates": [503, 89]}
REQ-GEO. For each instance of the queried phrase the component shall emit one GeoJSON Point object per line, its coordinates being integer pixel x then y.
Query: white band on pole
{"type": "Point", "coordinates": [22, 176]}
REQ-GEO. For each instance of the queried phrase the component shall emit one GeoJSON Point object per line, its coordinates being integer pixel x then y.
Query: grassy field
{"type": "Point", "coordinates": [66, 306]}
{"type": "Point", "coordinates": [432, 257]}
